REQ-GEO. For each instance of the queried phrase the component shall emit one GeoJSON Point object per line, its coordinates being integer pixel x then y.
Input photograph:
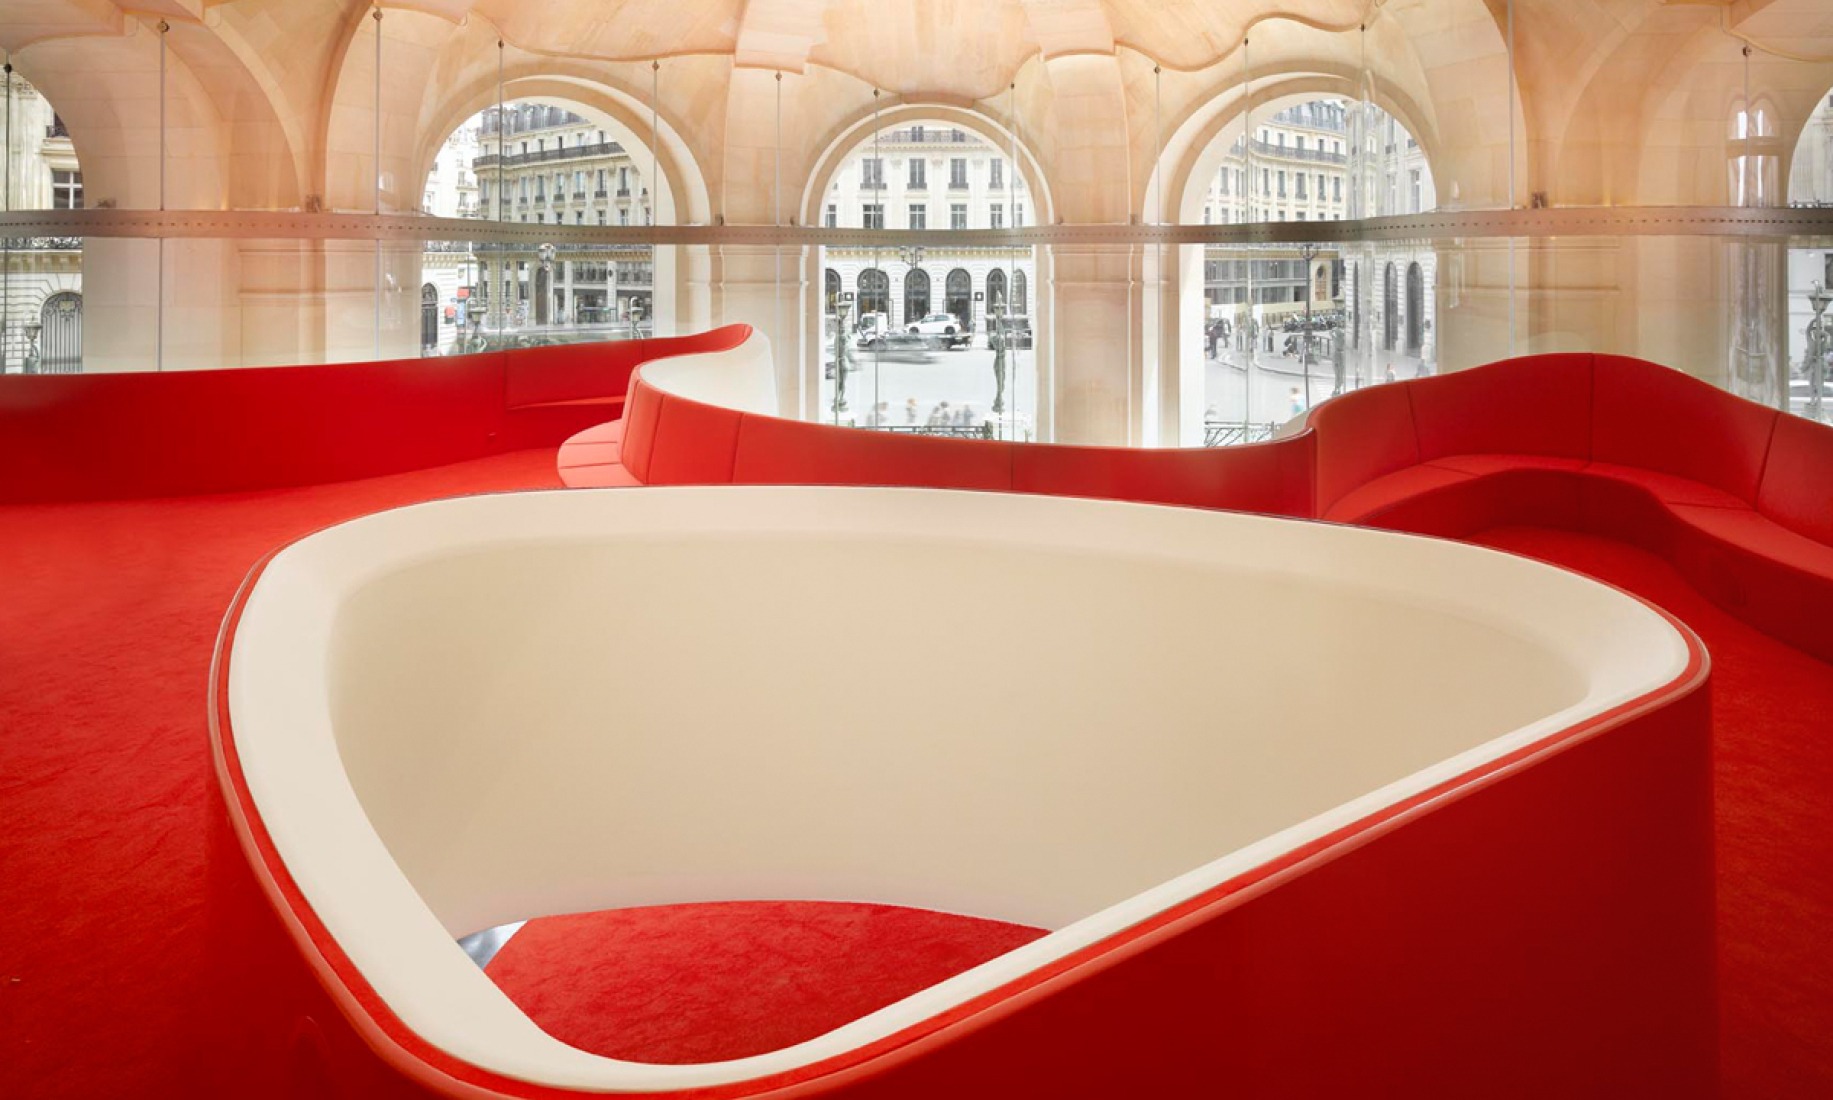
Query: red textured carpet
{"type": "Point", "coordinates": [704, 983]}
{"type": "Point", "coordinates": [1773, 763]}
{"type": "Point", "coordinates": [113, 983]}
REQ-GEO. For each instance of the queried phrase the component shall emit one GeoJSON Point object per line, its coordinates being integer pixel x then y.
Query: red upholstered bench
{"type": "Point", "coordinates": [1732, 492]}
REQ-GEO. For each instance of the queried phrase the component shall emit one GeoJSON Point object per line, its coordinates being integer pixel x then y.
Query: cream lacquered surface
{"type": "Point", "coordinates": [1061, 712]}
{"type": "Point", "coordinates": [742, 378]}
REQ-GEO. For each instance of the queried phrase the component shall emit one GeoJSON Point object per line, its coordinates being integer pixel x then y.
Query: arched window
{"type": "Point", "coordinates": [60, 334]}
{"type": "Point", "coordinates": [1390, 311]}
{"type": "Point", "coordinates": [429, 317]}
{"type": "Point", "coordinates": [832, 297]}
{"type": "Point", "coordinates": [959, 296]}
{"type": "Point", "coordinates": [916, 295]}
{"type": "Point", "coordinates": [874, 292]}
{"type": "Point", "coordinates": [1020, 294]}
{"type": "Point", "coordinates": [996, 292]}
{"type": "Point", "coordinates": [1416, 308]}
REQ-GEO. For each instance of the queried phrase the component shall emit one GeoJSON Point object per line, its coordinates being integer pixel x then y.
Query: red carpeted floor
{"type": "Point", "coordinates": [704, 983]}
{"type": "Point", "coordinates": [112, 984]}
{"type": "Point", "coordinates": [1773, 768]}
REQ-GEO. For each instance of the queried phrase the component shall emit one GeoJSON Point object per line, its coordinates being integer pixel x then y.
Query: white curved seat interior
{"type": "Point", "coordinates": [742, 378]}
{"type": "Point", "coordinates": [1067, 713]}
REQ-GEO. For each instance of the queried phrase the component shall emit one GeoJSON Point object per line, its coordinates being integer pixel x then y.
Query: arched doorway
{"type": "Point", "coordinates": [1020, 294]}
{"type": "Point", "coordinates": [60, 334]}
{"type": "Point", "coordinates": [429, 317]}
{"type": "Point", "coordinates": [916, 295]}
{"type": "Point", "coordinates": [996, 292]}
{"type": "Point", "coordinates": [831, 297]}
{"type": "Point", "coordinates": [874, 292]}
{"type": "Point", "coordinates": [958, 297]}
{"type": "Point", "coordinates": [1390, 313]}
{"type": "Point", "coordinates": [1416, 311]}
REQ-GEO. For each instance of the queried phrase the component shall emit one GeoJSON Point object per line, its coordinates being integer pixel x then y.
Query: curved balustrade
{"type": "Point", "coordinates": [1412, 877]}
{"type": "Point", "coordinates": [1734, 493]}
{"type": "Point", "coordinates": [111, 436]}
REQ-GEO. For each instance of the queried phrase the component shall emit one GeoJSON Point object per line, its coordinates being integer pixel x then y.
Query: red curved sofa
{"type": "Point", "coordinates": [1738, 496]}
{"type": "Point", "coordinates": [174, 433]}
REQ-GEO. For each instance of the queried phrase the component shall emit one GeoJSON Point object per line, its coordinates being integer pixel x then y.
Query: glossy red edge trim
{"type": "Point", "coordinates": [403, 1050]}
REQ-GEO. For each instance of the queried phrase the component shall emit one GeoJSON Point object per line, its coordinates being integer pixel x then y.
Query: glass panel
{"type": "Point", "coordinates": [927, 331]}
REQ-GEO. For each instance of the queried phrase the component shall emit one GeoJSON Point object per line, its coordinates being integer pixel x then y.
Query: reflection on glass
{"type": "Point", "coordinates": [1287, 326]}
{"type": "Point", "coordinates": [41, 278]}
{"type": "Point", "coordinates": [537, 162]}
{"type": "Point", "coordinates": [926, 333]}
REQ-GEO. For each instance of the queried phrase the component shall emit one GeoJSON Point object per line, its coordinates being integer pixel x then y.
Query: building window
{"type": "Point", "coordinates": [579, 217]}
{"type": "Point", "coordinates": [919, 216]}
{"type": "Point", "coordinates": [1336, 189]}
{"type": "Point", "coordinates": [833, 216]}
{"type": "Point", "coordinates": [1224, 181]}
{"type": "Point", "coordinates": [996, 216]}
{"type": "Point", "coordinates": [996, 174]}
{"type": "Point", "coordinates": [957, 173]}
{"type": "Point", "coordinates": [601, 217]}
{"type": "Point", "coordinates": [919, 172]}
{"type": "Point", "coordinates": [623, 217]}
{"type": "Point", "coordinates": [539, 217]}
{"type": "Point", "coordinates": [872, 174]}
{"type": "Point", "coordinates": [1302, 177]}
{"type": "Point", "coordinates": [873, 215]}
{"type": "Point", "coordinates": [957, 215]}
{"type": "Point", "coordinates": [1282, 183]}
{"type": "Point", "coordinates": [1018, 215]}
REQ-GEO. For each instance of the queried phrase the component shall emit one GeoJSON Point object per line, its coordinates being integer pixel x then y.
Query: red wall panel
{"type": "Point", "coordinates": [1651, 416]}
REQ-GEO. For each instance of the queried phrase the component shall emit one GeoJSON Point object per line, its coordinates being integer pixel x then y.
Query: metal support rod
{"type": "Point", "coordinates": [376, 168]}
{"type": "Point", "coordinates": [1245, 326]}
{"type": "Point", "coordinates": [655, 144]}
{"type": "Point", "coordinates": [159, 280]}
{"type": "Point", "coordinates": [499, 285]}
{"type": "Point", "coordinates": [776, 214]}
{"type": "Point", "coordinates": [1158, 204]}
{"type": "Point", "coordinates": [1005, 335]}
{"type": "Point", "coordinates": [6, 206]}
{"type": "Point", "coordinates": [1513, 200]}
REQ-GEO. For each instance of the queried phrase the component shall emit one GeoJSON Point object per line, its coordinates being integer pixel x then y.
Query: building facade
{"type": "Point", "coordinates": [535, 163]}
{"type": "Point", "coordinates": [41, 278]}
{"type": "Point", "coordinates": [928, 177]}
{"type": "Point", "coordinates": [1297, 166]}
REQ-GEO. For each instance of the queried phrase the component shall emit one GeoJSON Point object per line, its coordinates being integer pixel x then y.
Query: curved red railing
{"type": "Point", "coordinates": [1733, 492]}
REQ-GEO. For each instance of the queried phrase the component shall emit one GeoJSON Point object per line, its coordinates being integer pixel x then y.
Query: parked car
{"type": "Point", "coordinates": [941, 329]}
{"type": "Point", "coordinates": [872, 329]}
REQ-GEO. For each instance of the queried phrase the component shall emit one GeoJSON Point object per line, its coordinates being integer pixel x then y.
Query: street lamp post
{"type": "Point", "coordinates": [1820, 342]}
{"type": "Point", "coordinates": [842, 359]}
{"type": "Point", "coordinates": [913, 256]}
{"type": "Point", "coordinates": [1309, 252]}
